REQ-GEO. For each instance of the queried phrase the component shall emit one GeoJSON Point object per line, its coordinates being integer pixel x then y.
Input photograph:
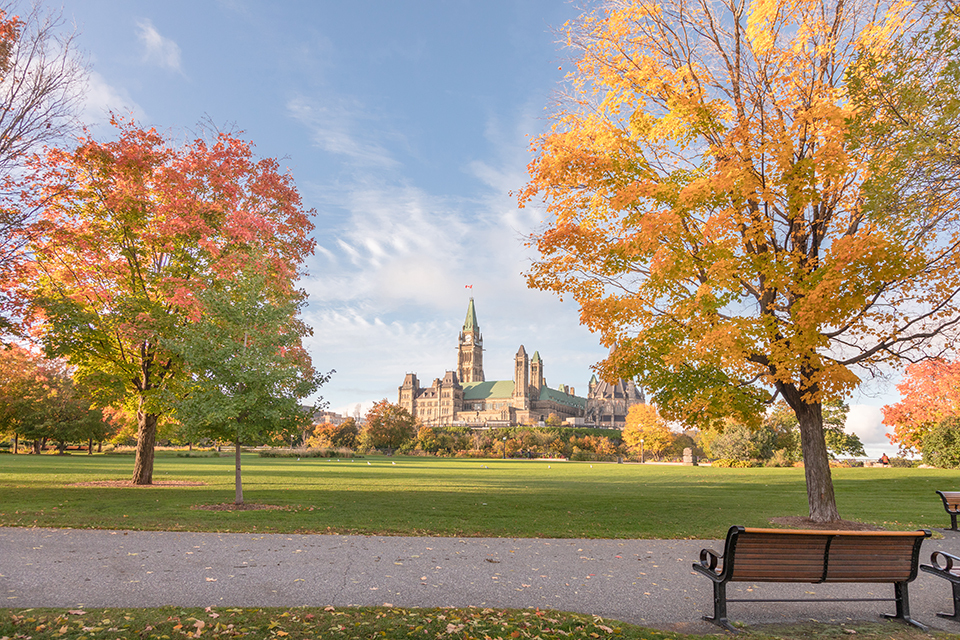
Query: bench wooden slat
{"type": "Point", "coordinates": [813, 556]}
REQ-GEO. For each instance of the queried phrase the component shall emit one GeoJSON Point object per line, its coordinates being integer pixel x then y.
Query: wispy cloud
{"type": "Point", "coordinates": [101, 98]}
{"type": "Point", "coordinates": [336, 128]}
{"type": "Point", "coordinates": [158, 50]}
{"type": "Point", "coordinates": [399, 245]}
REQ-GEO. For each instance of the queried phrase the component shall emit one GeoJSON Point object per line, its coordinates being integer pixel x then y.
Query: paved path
{"type": "Point", "coordinates": [647, 582]}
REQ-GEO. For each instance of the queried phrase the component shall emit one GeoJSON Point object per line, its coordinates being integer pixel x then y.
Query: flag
{"type": "Point", "coordinates": [468, 286]}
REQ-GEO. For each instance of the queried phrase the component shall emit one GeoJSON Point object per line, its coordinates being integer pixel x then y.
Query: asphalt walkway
{"type": "Point", "coordinates": [646, 582]}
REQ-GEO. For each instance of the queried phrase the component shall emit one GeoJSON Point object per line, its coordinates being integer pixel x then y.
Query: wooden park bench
{"type": "Point", "coordinates": [951, 502]}
{"type": "Point", "coordinates": [783, 555]}
{"type": "Point", "coordinates": [950, 570]}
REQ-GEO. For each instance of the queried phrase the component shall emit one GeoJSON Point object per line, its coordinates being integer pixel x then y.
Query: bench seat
{"type": "Point", "coordinates": [813, 556]}
{"type": "Point", "coordinates": [951, 503]}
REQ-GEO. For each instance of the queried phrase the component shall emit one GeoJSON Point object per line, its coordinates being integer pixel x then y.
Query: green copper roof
{"type": "Point", "coordinates": [536, 356]}
{"type": "Point", "coordinates": [593, 378]}
{"type": "Point", "coordinates": [546, 393]}
{"type": "Point", "coordinates": [471, 322]}
{"type": "Point", "coordinates": [487, 390]}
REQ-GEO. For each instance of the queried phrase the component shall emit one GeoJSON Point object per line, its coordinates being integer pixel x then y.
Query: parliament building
{"type": "Point", "coordinates": [465, 398]}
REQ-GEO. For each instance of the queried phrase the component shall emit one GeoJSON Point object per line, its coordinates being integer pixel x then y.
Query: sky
{"type": "Point", "coordinates": [406, 126]}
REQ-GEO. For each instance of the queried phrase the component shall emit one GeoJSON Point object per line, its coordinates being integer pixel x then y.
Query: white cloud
{"type": "Point", "coordinates": [334, 128]}
{"type": "Point", "coordinates": [101, 98]}
{"type": "Point", "coordinates": [400, 246]}
{"type": "Point", "coordinates": [158, 50]}
{"type": "Point", "coordinates": [866, 421]}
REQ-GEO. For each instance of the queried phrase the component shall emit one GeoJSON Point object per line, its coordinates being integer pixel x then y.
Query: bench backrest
{"type": "Point", "coordinates": [779, 555]}
{"type": "Point", "coordinates": [951, 499]}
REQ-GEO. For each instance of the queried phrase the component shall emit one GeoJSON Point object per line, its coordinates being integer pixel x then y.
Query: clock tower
{"type": "Point", "coordinates": [470, 349]}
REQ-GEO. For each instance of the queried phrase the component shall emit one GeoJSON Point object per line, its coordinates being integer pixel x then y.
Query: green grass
{"type": "Point", "coordinates": [451, 497]}
{"type": "Point", "coordinates": [380, 622]}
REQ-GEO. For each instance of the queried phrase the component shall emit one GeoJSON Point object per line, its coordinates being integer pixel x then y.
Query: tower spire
{"type": "Point", "coordinates": [471, 324]}
{"type": "Point", "coordinates": [470, 348]}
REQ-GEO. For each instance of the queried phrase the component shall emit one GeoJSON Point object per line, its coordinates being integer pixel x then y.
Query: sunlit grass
{"type": "Point", "coordinates": [450, 497]}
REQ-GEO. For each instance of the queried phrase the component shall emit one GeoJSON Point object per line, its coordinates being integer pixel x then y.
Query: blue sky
{"type": "Point", "coordinates": [406, 125]}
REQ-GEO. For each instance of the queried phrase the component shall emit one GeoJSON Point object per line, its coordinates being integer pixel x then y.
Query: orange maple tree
{"type": "Point", "coordinates": [929, 392]}
{"type": "Point", "coordinates": [131, 232]}
{"type": "Point", "coordinates": [737, 204]}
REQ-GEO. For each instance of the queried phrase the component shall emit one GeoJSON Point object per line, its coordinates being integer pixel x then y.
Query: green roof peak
{"type": "Point", "coordinates": [536, 356]}
{"type": "Point", "coordinates": [471, 322]}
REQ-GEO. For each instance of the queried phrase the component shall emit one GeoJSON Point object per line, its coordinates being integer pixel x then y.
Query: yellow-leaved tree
{"type": "Point", "coordinates": [756, 198]}
{"type": "Point", "coordinates": [645, 432]}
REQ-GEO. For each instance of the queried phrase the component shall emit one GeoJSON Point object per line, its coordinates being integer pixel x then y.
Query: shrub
{"type": "Point", "coordinates": [735, 464]}
{"type": "Point", "coordinates": [782, 458]}
{"type": "Point", "coordinates": [903, 463]}
{"type": "Point", "coordinates": [326, 435]}
{"type": "Point", "coordinates": [308, 453]}
{"type": "Point", "coordinates": [740, 442]}
{"type": "Point", "coordinates": [941, 445]}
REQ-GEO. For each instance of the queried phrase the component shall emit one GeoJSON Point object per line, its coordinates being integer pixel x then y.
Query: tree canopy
{"type": "Point", "coordinates": [387, 426]}
{"type": "Point", "coordinates": [645, 431]}
{"type": "Point", "coordinates": [247, 370]}
{"type": "Point", "coordinates": [39, 401]}
{"type": "Point", "coordinates": [929, 394]}
{"type": "Point", "coordinates": [736, 201]}
{"type": "Point", "coordinates": [132, 232]}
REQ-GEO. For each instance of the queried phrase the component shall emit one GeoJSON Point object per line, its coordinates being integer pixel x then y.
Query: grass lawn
{"type": "Point", "coordinates": [431, 496]}
{"type": "Point", "coordinates": [450, 497]}
{"type": "Point", "coordinates": [380, 622]}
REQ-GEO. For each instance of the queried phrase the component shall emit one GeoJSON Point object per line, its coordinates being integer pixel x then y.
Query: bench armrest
{"type": "Point", "coordinates": [709, 559]}
{"type": "Point", "coordinates": [949, 570]}
{"type": "Point", "coordinates": [950, 561]}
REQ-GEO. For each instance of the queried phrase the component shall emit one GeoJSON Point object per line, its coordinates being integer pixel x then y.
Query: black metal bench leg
{"type": "Point", "coordinates": [902, 595]}
{"type": "Point", "coordinates": [953, 522]}
{"type": "Point", "coordinates": [719, 617]}
{"type": "Point", "coordinates": [956, 604]}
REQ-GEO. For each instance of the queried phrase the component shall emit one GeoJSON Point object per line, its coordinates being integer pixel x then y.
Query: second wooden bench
{"type": "Point", "coordinates": [812, 556]}
{"type": "Point", "coordinates": [951, 502]}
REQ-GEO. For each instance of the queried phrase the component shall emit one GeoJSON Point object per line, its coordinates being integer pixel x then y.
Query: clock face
{"type": "Point", "coordinates": [468, 338]}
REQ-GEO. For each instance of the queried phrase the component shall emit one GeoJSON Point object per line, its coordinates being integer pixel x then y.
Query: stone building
{"type": "Point", "coordinates": [465, 397]}
{"type": "Point", "coordinates": [608, 404]}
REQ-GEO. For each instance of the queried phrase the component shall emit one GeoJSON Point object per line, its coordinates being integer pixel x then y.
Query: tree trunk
{"type": "Point", "coordinates": [146, 442]}
{"type": "Point", "coordinates": [816, 460]}
{"type": "Point", "coordinates": [16, 443]}
{"type": "Point", "coordinates": [90, 447]}
{"type": "Point", "coordinates": [239, 496]}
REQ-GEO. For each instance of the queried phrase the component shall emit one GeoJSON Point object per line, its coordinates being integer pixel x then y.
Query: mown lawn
{"type": "Point", "coordinates": [358, 623]}
{"type": "Point", "coordinates": [449, 497]}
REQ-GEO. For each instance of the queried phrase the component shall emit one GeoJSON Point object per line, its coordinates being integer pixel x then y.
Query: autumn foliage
{"type": "Point", "coordinates": [387, 426]}
{"type": "Point", "coordinates": [736, 202]}
{"type": "Point", "coordinates": [930, 393]}
{"type": "Point", "coordinates": [645, 432]}
{"type": "Point", "coordinates": [131, 232]}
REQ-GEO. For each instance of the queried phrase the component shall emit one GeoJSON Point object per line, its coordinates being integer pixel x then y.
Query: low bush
{"type": "Point", "coordinates": [903, 463]}
{"type": "Point", "coordinates": [308, 453]}
{"type": "Point", "coordinates": [730, 463]}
